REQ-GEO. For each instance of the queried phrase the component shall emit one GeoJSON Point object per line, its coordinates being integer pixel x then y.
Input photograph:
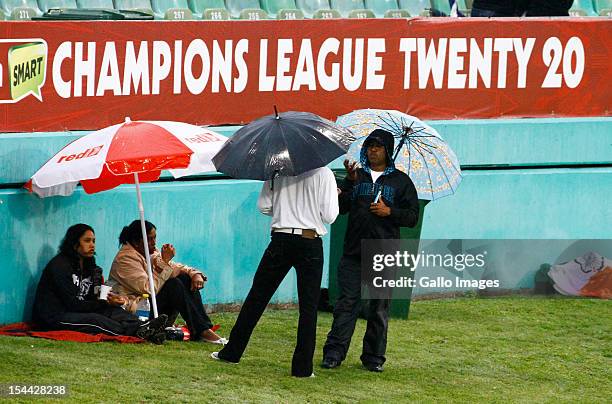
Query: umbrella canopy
{"type": "Point", "coordinates": [128, 153]}
{"type": "Point", "coordinates": [420, 151]}
{"type": "Point", "coordinates": [285, 144]}
{"type": "Point", "coordinates": [109, 157]}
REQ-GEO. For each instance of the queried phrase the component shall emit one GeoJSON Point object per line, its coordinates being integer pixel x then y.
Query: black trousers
{"type": "Point", "coordinates": [176, 296]}
{"type": "Point", "coordinates": [346, 311]}
{"type": "Point", "coordinates": [109, 320]}
{"type": "Point", "coordinates": [283, 252]}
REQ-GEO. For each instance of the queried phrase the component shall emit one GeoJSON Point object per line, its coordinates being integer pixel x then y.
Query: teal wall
{"type": "Point", "coordinates": [215, 225]}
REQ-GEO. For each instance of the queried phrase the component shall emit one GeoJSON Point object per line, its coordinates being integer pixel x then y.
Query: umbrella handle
{"type": "Point", "coordinates": [146, 245]}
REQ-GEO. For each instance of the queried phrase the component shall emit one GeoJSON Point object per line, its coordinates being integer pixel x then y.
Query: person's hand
{"type": "Point", "coordinates": [116, 300]}
{"type": "Point", "coordinates": [167, 252]}
{"type": "Point", "coordinates": [197, 282]}
{"type": "Point", "coordinates": [351, 169]}
{"type": "Point", "coordinates": [380, 209]}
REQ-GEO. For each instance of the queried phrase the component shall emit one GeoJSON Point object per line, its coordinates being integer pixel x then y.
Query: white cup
{"type": "Point", "coordinates": [104, 289]}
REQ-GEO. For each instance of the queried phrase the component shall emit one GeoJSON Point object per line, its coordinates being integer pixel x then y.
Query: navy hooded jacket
{"type": "Point", "coordinates": [398, 193]}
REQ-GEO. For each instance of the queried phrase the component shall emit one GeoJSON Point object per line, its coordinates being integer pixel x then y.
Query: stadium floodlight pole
{"type": "Point", "coordinates": [146, 245]}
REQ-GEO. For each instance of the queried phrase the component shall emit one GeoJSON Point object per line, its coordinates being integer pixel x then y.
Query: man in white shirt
{"type": "Point", "coordinates": [300, 207]}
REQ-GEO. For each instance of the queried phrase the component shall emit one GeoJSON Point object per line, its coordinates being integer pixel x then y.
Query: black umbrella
{"type": "Point", "coordinates": [285, 144]}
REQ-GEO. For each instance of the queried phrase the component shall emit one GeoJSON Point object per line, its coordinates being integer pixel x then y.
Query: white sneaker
{"type": "Point", "coordinates": [215, 356]}
{"type": "Point", "coordinates": [220, 341]}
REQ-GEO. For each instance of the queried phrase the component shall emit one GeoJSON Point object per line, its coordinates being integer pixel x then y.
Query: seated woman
{"type": "Point", "coordinates": [177, 286]}
{"type": "Point", "coordinates": [68, 290]}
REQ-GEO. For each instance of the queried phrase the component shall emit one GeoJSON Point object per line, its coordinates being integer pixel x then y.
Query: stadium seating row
{"type": "Point", "coordinates": [264, 9]}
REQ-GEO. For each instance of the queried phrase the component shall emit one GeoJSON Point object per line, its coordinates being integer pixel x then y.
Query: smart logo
{"type": "Point", "coordinates": [23, 69]}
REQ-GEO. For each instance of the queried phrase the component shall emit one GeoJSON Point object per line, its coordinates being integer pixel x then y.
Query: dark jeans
{"type": "Point", "coordinates": [283, 252]}
{"type": "Point", "coordinates": [176, 295]}
{"type": "Point", "coordinates": [346, 311]}
{"type": "Point", "coordinates": [108, 320]}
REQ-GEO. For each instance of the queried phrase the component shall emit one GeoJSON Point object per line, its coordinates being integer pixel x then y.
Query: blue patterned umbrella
{"type": "Point", "coordinates": [420, 151]}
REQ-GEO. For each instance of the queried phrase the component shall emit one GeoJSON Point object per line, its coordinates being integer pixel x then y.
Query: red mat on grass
{"type": "Point", "coordinates": [25, 330]}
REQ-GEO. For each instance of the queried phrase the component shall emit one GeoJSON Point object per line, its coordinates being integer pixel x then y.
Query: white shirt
{"type": "Point", "coordinates": [375, 174]}
{"type": "Point", "coordinates": [306, 201]}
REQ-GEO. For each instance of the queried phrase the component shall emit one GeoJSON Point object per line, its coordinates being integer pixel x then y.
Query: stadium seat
{"type": "Point", "coordinates": [236, 6]}
{"type": "Point", "coordinates": [397, 14]}
{"type": "Point", "coordinates": [216, 14]}
{"type": "Point", "coordinates": [603, 7]}
{"type": "Point", "coordinates": [326, 14]}
{"type": "Point", "coordinates": [273, 7]}
{"type": "Point", "coordinates": [309, 7]}
{"type": "Point", "coordinates": [253, 14]}
{"type": "Point", "coordinates": [104, 4]}
{"type": "Point", "coordinates": [415, 7]}
{"type": "Point", "coordinates": [19, 9]}
{"type": "Point", "coordinates": [178, 14]}
{"type": "Point", "coordinates": [581, 8]}
{"type": "Point", "coordinates": [198, 7]}
{"type": "Point", "coordinates": [439, 7]}
{"type": "Point", "coordinates": [179, 9]}
{"type": "Point", "coordinates": [137, 5]}
{"type": "Point", "coordinates": [576, 12]}
{"type": "Point", "coordinates": [290, 14]}
{"type": "Point", "coordinates": [346, 6]}
{"type": "Point", "coordinates": [22, 14]}
{"type": "Point", "coordinates": [380, 7]}
{"type": "Point", "coordinates": [45, 5]}
{"type": "Point", "coordinates": [361, 13]}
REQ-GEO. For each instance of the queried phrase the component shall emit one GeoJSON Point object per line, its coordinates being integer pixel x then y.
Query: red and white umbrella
{"type": "Point", "coordinates": [128, 153]}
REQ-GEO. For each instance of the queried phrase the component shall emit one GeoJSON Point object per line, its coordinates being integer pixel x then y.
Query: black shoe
{"type": "Point", "coordinates": [329, 363]}
{"type": "Point", "coordinates": [149, 328]}
{"type": "Point", "coordinates": [372, 367]}
{"type": "Point", "coordinates": [157, 338]}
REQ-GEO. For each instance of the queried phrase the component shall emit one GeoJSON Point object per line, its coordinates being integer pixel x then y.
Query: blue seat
{"type": "Point", "coordinates": [19, 9]}
{"type": "Point", "coordinates": [415, 7]}
{"type": "Point", "coordinates": [45, 5]}
{"type": "Point", "coordinates": [216, 14]}
{"type": "Point", "coordinates": [198, 7]}
{"type": "Point", "coordinates": [253, 14]}
{"type": "Point", "coordinates": [603, 7]}
{"type": "Point", "coordinates": [290, 14]}
{"type": "Point", "coordinates": [361, 13]}
{"type": "Point", "coordinates": [103, 4]}
{"type": "Point", "coordinates": [236, 6]}
{"type": "Point", "coordinates": [273, 7]}
{"type": "Point", "coordinates": [346, 6]}
{"type": "Point", "coordinates": [397, 14]}
{"type": "Point", "coordinates": [324, 14]}
{"type": "Point", "coordinates": [440, 6]}
{"type": "Point", "coordinates": [171, 9]}
{"type": "Point", "coordinates": [309, 7]}
{"type": "Point", "coordinates": [380, 7]}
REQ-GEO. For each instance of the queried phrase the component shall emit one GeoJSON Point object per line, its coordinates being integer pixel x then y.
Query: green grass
{"type": "Point", "coordinates": [515, 349]}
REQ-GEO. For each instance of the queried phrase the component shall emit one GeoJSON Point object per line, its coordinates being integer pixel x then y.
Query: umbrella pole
{"type": "Point", "coordinates": [146, 245]}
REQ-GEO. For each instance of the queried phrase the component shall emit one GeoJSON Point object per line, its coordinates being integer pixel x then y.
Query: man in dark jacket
{"type": "Point", "coordinates": [68, 290]}
{"type": "Point", "coordinates": [380, 199]}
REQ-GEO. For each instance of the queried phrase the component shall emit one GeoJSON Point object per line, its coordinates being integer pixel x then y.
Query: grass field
{"type": "Point", "coordinates": [514, 349]}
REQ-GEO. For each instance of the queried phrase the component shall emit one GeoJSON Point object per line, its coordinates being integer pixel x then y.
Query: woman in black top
{"type": "Point", "coordinates": [68, 291]}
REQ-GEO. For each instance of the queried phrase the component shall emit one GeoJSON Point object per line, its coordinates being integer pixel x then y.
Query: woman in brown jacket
{"type": "Point", "coordinates": [177, 286]}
